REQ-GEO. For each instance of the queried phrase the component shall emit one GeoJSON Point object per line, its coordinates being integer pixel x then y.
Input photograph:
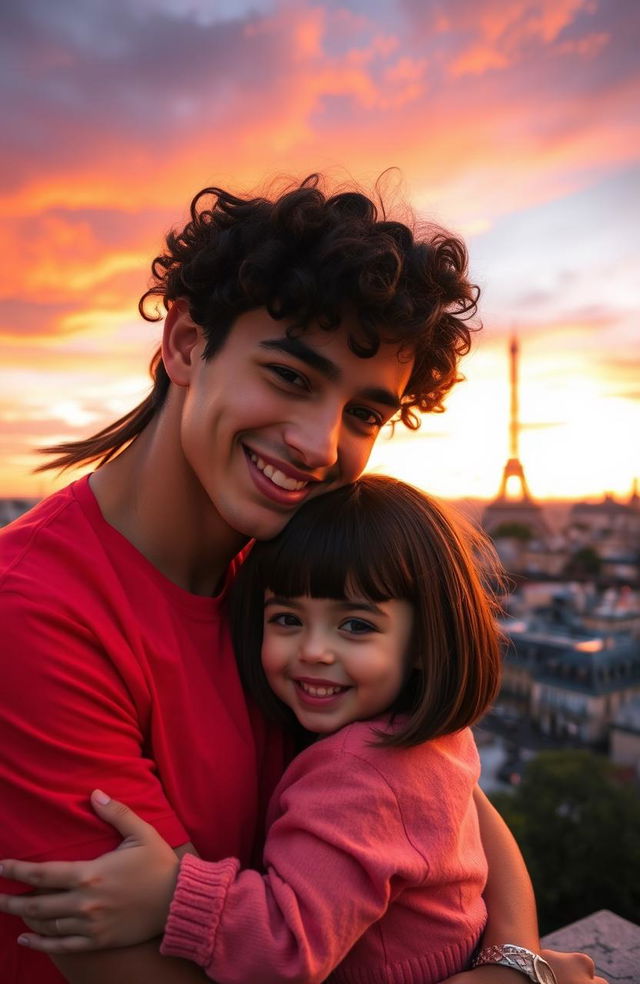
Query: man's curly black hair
{"type": "Point", "coordinates": [309, 258]}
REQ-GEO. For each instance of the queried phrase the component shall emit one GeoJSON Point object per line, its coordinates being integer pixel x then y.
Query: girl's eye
{"type": "Point", "coordinates": [367, 416]}
{"type": "Point", "coordinates": [357, 626]}
{"type": "Point", "coordinates": [290, 376]}
{"type": "Point", "coordinates": [283, 618]}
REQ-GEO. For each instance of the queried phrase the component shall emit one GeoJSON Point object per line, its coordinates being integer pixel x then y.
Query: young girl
{"type": "Point", "coordinates": [374, 631]}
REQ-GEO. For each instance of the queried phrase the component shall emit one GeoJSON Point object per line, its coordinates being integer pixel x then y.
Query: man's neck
{"type": "Point", "coordinates": [150, 495]}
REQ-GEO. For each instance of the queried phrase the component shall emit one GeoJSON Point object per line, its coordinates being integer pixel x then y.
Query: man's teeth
{"type": "Point", "coordinates": [276, 476]}
{"type": "Point", "coordinates": [318, 691]}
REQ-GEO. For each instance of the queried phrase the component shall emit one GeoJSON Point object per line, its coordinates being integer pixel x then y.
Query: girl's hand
{"type": "Point", "coordinates": [569, 968]}
{"type": "Point", "coordinates": [118, 899]}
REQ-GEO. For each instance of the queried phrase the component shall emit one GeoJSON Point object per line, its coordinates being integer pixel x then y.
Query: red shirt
{"type": "Point", "coordinates": [114, 677]}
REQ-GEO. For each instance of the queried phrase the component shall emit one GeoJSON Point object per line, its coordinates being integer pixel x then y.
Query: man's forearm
{"type": "Point", "coordinates": [509, 894]}
{"type": "Point", "coordinates": [131, 965]}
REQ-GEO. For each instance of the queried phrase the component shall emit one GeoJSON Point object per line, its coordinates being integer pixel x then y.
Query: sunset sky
{"type": "Point", "coordinates": [514, 123]}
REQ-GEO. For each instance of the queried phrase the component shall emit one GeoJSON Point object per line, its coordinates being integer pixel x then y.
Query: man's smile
{"type": "Point", "coordinates": [277, 474]}
{"type": "Point", "coordinates": [281, 482]}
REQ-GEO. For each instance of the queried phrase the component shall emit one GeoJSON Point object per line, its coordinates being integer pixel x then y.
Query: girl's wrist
{"type": "Point", "coordinates": [196, 907]}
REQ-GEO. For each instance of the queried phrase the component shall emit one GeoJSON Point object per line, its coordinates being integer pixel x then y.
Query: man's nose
{"type": "Point", "coordinates": [314, 437]}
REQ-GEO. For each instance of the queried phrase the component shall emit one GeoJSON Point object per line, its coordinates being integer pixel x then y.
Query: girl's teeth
{"type": "Point", "coordinates": [320, 691]}
{"type": "Point", "coordinates": [276, 476]}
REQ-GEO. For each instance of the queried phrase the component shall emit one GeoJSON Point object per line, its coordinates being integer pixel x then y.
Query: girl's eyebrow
{"type": "Point", "coordinates": [277, 600]}
{"type": "Point", "coordinates": [346, 604]}
{"type": "Point", "coordinates": [361, 606]}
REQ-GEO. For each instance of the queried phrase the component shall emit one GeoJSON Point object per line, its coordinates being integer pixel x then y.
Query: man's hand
{"type": "Point", "coordinates": [116, 900]}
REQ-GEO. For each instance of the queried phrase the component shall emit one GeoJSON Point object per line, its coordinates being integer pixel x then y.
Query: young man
{"type": "Point", "coordinates": [295, 329]}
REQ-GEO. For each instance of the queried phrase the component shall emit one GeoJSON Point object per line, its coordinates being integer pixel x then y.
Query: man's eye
{"type": "Point", "coordinates": [289, 376]}
{"type": "Point", "coordinates": [357, 626]}
{"type": "Point", "coordinates": [366, 416]}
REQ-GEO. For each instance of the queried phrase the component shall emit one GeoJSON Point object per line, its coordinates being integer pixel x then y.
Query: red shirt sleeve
{"type": "Point", "coordinates": [69, 724]}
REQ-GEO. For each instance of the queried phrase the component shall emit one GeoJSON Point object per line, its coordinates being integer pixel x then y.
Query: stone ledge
{"type": "Point", "coordinates": [613, 943]}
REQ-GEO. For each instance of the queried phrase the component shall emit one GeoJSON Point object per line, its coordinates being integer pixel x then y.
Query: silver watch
{"type": "Point", "coordinates": [518, 958]}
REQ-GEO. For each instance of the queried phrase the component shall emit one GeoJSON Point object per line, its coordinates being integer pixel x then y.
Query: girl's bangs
{"type": "Point", "coordinates": [334, 555]}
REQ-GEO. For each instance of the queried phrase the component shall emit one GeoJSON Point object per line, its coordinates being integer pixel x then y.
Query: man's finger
{"type": "Point", "coordinates": [52, 944]}
{"type": "Point", "coordinates": [43, 874]}
{"type": "Point", "coordinates": [30, 907]}
{"type": "Point", "coordinates": [61, 927]}
{"type": "Point", "coordinates": [126, 822]}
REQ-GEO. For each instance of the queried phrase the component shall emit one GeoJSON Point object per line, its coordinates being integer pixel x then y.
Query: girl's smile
{"type": "Point", "coordinates": [319, 692]}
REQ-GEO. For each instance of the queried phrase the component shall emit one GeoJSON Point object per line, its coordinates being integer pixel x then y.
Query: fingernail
{"type": "Point", "coordinates": [101, 797]}
{"type": "Point", "coordinates": [23, 940]}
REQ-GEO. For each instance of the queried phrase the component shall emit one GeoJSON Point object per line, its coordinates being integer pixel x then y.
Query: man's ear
{"type": "Point", "coordinates": [181, 338]}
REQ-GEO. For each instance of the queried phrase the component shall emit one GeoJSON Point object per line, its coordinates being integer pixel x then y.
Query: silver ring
{"type": "Point", "coordinates": [59, 932]}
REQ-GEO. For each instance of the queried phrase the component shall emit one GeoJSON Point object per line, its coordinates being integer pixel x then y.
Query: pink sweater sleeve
{"type": "Point", "coordinates": [334, 859]}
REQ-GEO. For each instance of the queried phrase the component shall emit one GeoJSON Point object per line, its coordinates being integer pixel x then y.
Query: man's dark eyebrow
{"type": "Point", "coordinates": [300, 350]}
{"type": "Point", "coordinates": [384, 396]}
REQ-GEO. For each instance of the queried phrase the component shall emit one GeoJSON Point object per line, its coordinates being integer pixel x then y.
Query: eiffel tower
{"type": "Point", "coordinates": [514, 507]}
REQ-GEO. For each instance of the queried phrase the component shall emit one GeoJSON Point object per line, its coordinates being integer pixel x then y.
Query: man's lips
{"type": "Point", "coordinates": [281, 474]}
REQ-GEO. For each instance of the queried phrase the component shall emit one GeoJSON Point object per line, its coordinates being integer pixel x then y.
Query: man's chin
{"type": "Point", "coordinates": [264, 527]}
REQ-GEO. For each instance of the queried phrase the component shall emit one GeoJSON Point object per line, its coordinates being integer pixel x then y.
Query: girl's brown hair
{"type": "Point", "coordinates": [307, 257]}
{"type": "Point", "coordinates": [384, 539]}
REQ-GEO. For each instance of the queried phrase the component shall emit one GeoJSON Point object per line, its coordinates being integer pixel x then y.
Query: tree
{"type": "Point", "coordinates": [513, 531]}
{"type": "Point", "coordinates": [577, 826]}
{"type": "Point", "coordinates": [584, 563]}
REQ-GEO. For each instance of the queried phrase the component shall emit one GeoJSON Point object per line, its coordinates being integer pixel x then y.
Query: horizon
{"type": "Point", "coordinates": [622, 498]}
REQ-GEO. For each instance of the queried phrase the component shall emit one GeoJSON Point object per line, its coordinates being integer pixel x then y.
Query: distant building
{"type": "Point", "coordinates": [601, 540]}
{"type": "Point", "coordinates": [10, 509]}
{"type": "Point", "coordinates": [541, 558]}
{"type": "Point", "coordinates": [569, 682]}
{"type": "Point", "coordinates": [514, 520]}
{"type": "Point", "coordinates": [618, 610]}
{"type": "Point", "coordinates": [611, 530]}
{"type": "Point", "coordinates": [625, 735]}
{"type": "Point", "coordinates": [614, 525]}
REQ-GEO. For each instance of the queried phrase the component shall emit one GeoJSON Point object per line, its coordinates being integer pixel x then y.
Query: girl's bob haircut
{"type": "Point", "coordinates": [381, 539]}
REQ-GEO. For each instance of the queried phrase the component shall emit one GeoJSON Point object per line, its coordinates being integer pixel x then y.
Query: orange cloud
{"type": "Point", "coordinates": [504, 29]}
{"type": "Point", "coordinates": [308, 33]}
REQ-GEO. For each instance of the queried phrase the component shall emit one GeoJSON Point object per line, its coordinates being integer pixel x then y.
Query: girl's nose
{"type": "Point", "coordinates": [315, 648]}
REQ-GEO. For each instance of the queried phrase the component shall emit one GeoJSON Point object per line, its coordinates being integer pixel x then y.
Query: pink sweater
{"type": "Point", "coordinates": [374, 872]}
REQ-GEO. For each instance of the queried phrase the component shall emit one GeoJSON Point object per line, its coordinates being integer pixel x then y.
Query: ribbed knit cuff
{"type": "Point", "coordinates": [196, 907]}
